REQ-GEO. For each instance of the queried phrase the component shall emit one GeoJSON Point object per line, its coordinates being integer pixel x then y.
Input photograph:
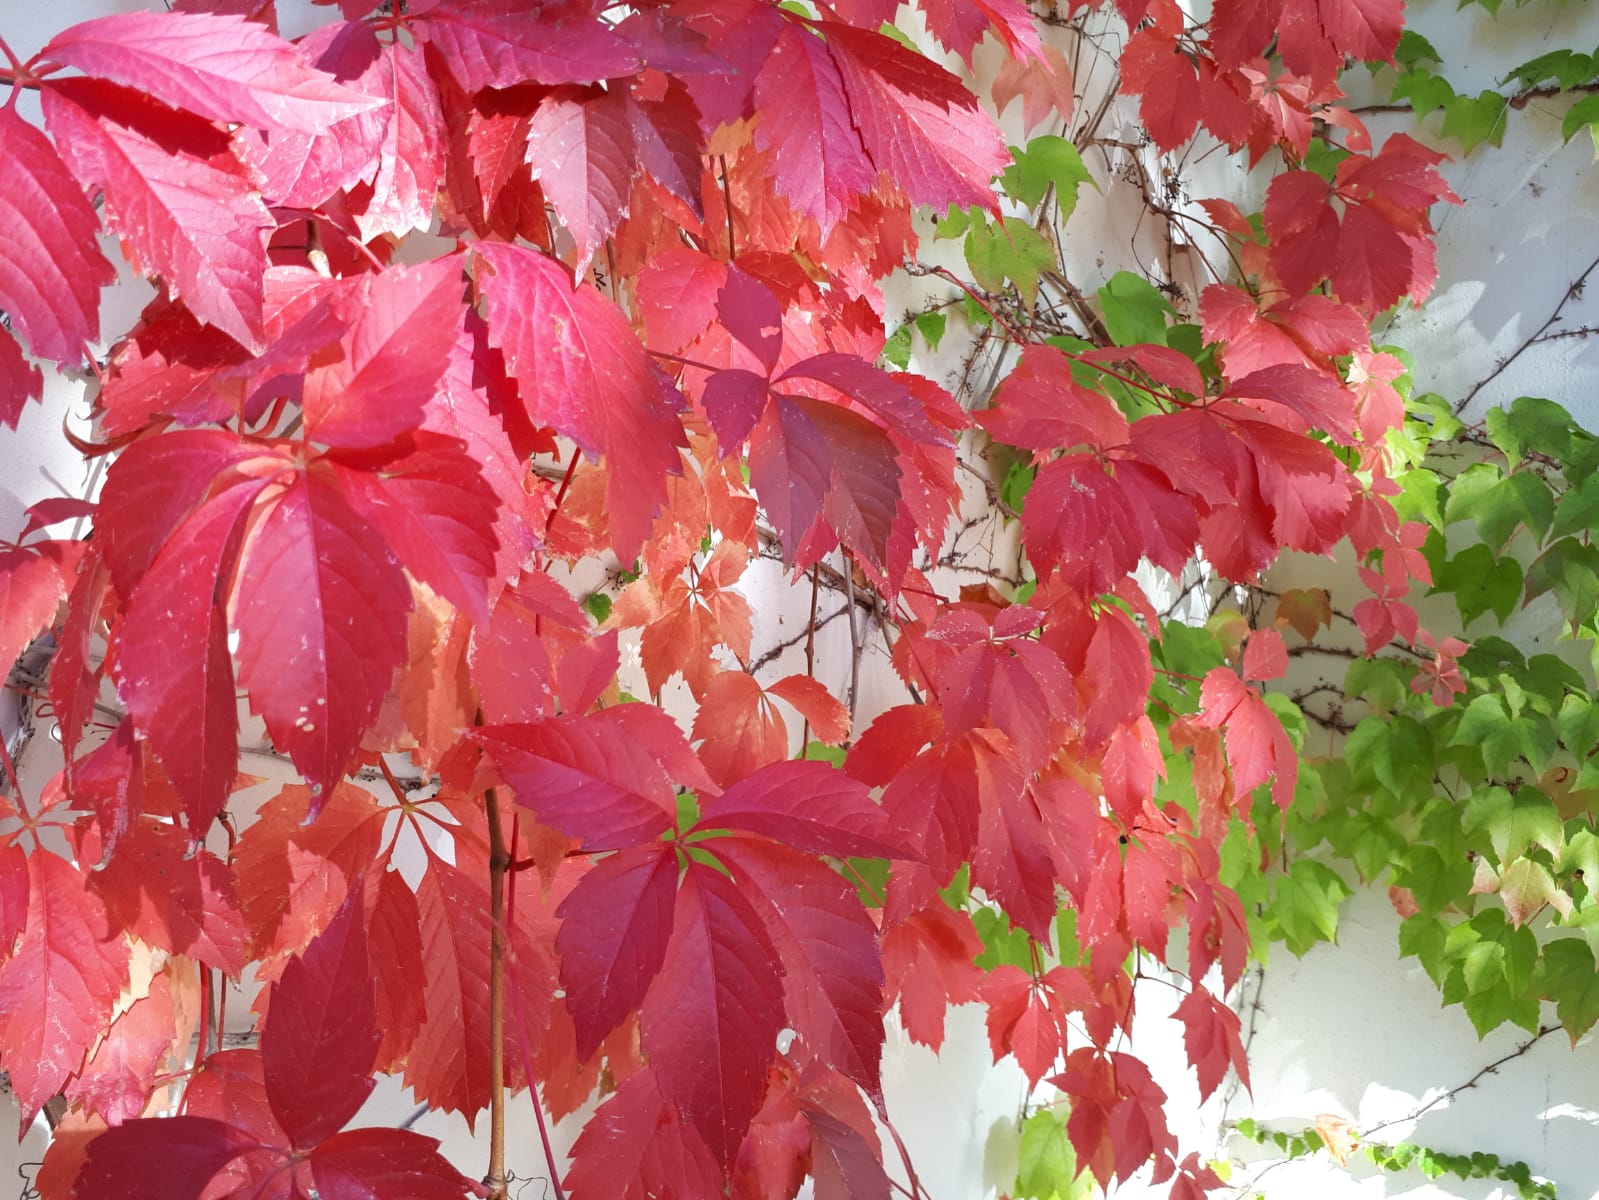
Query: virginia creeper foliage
{"type": "Point", "coordinates": [455, 292]}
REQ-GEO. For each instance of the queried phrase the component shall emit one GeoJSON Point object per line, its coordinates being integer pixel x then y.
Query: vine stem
{"type": "Point", "coordinates": [1444, 1097]}
{"type": "Point", "coordinates": [499, 864]}
{"type": "Point", "coordinates": [521, 1030]}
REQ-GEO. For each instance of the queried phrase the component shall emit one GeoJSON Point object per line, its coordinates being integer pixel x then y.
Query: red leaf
{"type": "Point", "coordinates": [176, 195]}
{"type": "Point", "coordinates": [434, 507]}
{"type": "Point", "coordinates": [173, 669]}
{"type": "Point", "coordinates": [927, 961]}
{"type": "Point", "coordinates": [1020, 1022]}
{"type": "Point", "coordinates": [405, 323]}
{"type": "Point", "coordinates": [411, 157]}
{"type": "Point", "coordinates": [59, 984]}
{"type": "Point", "coordinates": [304, 170]}
{"type": "Point", "coordinates": [585, 776]}
{"type": "Point", "coordinates": [1155, 66]}
{"type": "Point", "coordinates": [738, 728]}
{"type": "Point", "coordinates": [394, 945]}
{"type": "Point", "coordinates": [918, 122]}
{"type": "Point", "coordinates": [747, 309]}
{"type": "Point", "coordinates": [581, 370]}
{"type": "Point", "coordinates": [1321, 400]}
{"type": "Point", "coordinates": [1039, 406]}
{"type": "Point", "coordinates": [51, 268]}
{"type": "Point", "coordinates": [321, 1036]}
{"type": "Point", "coordinates": [499, 43]}
{"type": "Point", "coordinates": [20, 381]}
{"type": "Point", "coordinates": [1257, 746]}
{"type": "Point", "coordinates": [1265, 656]}
{"type": "Point", "coordinates": [826, 714]}
{"type": "Point", "coordinates": [117, 1080]}
{"type": "Point", "coordinates": [827, 945]}
{"type": "Point", "coordinates": [292, 875]}
{"type": "Point", "coordinates": [825, 475]}
{"type": "Point", "coordinates": [1212, 1038]}
{"type": "Point", "coordinates": [221, 67]}
{"type": "Point", "coordinates": [384, 1164]}
{"type": "Point", "coordinates": [881, 393]}
{"type": "Point", "coordinates": [711, 1019]}
{"type": "Point", "coordinates": [190, 1151]}
{"type": "Point", "coordinates": [321, 614]}
{"type": "Point", "coordinates": [818, 161]}
{"type": "Point", "coordinates": [810, 806]}
{"type": "Point", "coordinates": [614, 931]}
{"type": "Point", "coordinates": [32, 587]}
{"type": "Point", "coordinates": [580, 145]}
{"type": "Point", "coordinates": [162, 894]}
{"type": "Point", "coordinates": [448, 1065]}
{"type": "Point", "coordinates": [638, 1146]}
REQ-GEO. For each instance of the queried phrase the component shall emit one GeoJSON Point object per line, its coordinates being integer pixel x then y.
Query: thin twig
{"type": "Point", "coordinates": [1572, 292]}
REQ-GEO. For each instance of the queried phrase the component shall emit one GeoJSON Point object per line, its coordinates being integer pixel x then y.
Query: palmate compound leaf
{"type": "Point", "coordinates": [183, 205]}
{"type": "Point", "coordinates": [59, 984]}
{"type": "Point", "coordinates": [51, 268]}
{"type": "Point", "coordinates": [580, 369]}
{"type": "Point", "coordinates": [223, 68]}
{"type": "Point", "coordinates": [321, 1036]}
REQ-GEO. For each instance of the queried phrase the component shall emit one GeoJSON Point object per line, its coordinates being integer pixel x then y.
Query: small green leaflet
{"type": "Point", "coordinates": [1134, 309]}
{"type": "Point", "coordinates": [1046, 162]}
{"type": "Point", "coordinates": [1046, 1168]}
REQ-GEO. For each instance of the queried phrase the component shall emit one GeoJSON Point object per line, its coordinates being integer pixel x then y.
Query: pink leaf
{"type": "Point", "coordinates": [51, 268]}
{"type": "Point", "coordinates": [191, 1150]}
{"type": "Point", "coordinates": [221, 67]}
{"type": "Point", "coordinates": [176, 195]}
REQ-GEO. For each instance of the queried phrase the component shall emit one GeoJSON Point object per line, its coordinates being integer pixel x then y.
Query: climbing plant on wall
{"type": "Point", "coordinates": [453, 299]}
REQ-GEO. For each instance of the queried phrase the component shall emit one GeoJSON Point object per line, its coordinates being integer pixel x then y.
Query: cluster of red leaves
{"type": "Point", "coordinates": [332, 490]}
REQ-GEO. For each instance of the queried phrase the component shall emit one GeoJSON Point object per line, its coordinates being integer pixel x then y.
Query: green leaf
{"type": "Point", "coordinates": [1480, 583]}
{"type": "Point", "coordinates": [1473, 120]}
{"type": "Point", "coordinates": [1134, 309]}
{"type": "Point", "coordinates": [897, 349]}
{"type": "Point", "coordinates": [1014, 251]}
{"type": "Point", "coordinates": [1001, 943]}
{"type": "Point", "coordinates": [1397, 753]}
{"type": "Point", "coordinates": [1046, 162]}
{"type": "Point", "coordinates": [1014, 487]}
{"type": "Point", "coordinates": [1577, 510]}
{"type": "Point", "coordinates": [1046, 1166]}
{"type": "Point", "coordinates": [1306, 905]}
{"type": "Point", "coordinates": [931, 326]}
{"type": "Point", "coordinates": [1383, 683]}
{"type": "Point", "coordinates": [1425, 92]}
{"type": "Point", "coordinates": [1578, 725]}
{"type": "Point", "coordinates": [1413, 48]}
{"type": "Point", "coordinates": [1530, 423]}
{"type": "Point", "coordinates": [1571, 980]}
{"type": "Point", "coordinates": [1566, 68]}
{"type": "Point", "coordinates": [1514, 822]}
{"type": "Point", "coordinates": [1569, 569]}
{"type": "Point", "coordinates": [599, 606]}
{"type": "Point", "coordinates": [1584, 112]}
